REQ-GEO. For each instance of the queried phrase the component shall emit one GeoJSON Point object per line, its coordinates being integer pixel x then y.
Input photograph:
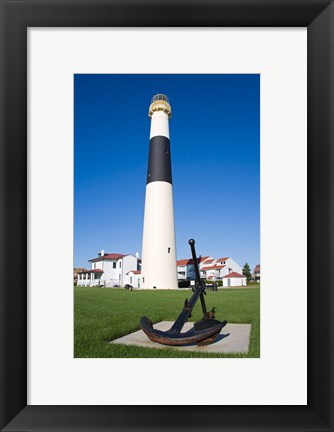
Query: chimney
{"type": "Point", "coordinates": [102, 252]}
{"type": "Point", "coordinates": [137, 255]}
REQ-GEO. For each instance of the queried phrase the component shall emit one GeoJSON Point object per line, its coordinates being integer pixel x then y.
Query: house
{"type": "Point", "coordinates": [234, 279]}
{"type": "Point", "coordinates": [133, 278]}
{"type": "Point", "coordinates": [257, 273]}
{"type": "Point", "coordinates": [76, 271]}
{"type": "Point", "coordinates": [210, 269]}
{"type": "Point", "coordinates": [213, 272]}
{"type": "Point", "coordinates": [230, 264]}
{"type": "Point", "coordinates": [219, 268]}
{"type": "Point", "coordinates": [185, 267]}
{"type": "Point", "coordinates": [90, 278]}
{"type": "Point", "coordinates": [109, 270]}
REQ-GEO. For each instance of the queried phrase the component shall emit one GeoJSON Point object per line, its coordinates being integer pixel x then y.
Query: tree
{"type": "Point", "coordinates": [247, 272]}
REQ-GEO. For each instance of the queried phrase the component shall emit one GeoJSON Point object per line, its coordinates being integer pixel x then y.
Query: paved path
{"type": "Point", "coordinates": [233, 338]}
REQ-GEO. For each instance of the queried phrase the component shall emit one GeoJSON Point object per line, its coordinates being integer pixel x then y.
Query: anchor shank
{"type": "Point", "coordinates": [203, 303]}
{"type": "Point", "coordinates": [186, 311]}
{"type": "Point", "coordinates": [193, 253]}
{"type": "Point", "coordinates": [198, 279]}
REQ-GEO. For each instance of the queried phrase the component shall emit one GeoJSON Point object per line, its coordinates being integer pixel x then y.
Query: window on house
{"type": "Point", "coordinates": [130, 279]}
{"type": "Point", "coordinates": [168, 250]}
{"type": "Point", "coordinates": [143, 279]}
{"type": "Point", "coordinates": [114, 264]}
{"type": "Point", "coordinates": [120, 264]}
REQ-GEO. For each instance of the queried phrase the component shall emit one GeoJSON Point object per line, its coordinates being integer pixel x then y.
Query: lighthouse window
{"type": "Point", "coordinates": [168, 250]}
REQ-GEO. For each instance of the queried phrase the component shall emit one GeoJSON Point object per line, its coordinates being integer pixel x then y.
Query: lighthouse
{"type": "Point", "coordinates": [158, 250]}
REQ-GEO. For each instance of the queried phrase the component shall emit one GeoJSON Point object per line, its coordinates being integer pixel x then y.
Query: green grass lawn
{"type": "Point", "coordinates": [102, 315]}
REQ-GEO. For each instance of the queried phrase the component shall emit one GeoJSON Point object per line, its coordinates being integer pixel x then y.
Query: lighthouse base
{"type": "Point", "coordinates": [159, 288]}
{"type": "Point", "coordinates": [159, 269]}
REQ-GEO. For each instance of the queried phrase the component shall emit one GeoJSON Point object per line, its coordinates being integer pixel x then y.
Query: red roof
{"type": "Point", "coordinates": [112, 256]}
{"type": "Point", "coordinates": [222, 259]}
{"type": "Point", "coordinates": [183, 262]}
{"type": "Point", "coordinates": [93, 271]}
{"type": "Point", "coordinates": [188, 261]}
{"type": "Point", "coordinates": [134, 271]}
{"type": "Point", "coordinates": [234, 275]}
{"type": "Point", "coordinates": [201, 259]}
{"type": "Point", "coordinates": [209, 261]}
{"type": "Point", "coordinates": [215, 267]}
{"type": "Point", "coordinates": [257, 267]}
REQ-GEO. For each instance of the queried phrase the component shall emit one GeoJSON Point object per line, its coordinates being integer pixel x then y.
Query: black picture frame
{"type": "Point", "coordinates": [16, 17]}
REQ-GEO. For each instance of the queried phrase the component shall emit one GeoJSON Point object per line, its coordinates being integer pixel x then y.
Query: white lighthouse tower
{"type": "Point", "coordinates": [159, 251]}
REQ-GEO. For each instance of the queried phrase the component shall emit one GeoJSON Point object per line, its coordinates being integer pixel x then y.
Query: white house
{"type": "Point", "coordinates": [186, 270]}
{"type": "Point", "coordinates": [90, 278]}
{"type": "Point", "coordinates": [221, 268]}
{"type": "Point", "coordinates": [213, 272]}
{"type": "Point", "coordinates": [108, 270]}
{"type": "Point", "coordinates": [257, 273]}
{"type": "Point", "coordinates": [209, 268]}
{"type": "Point", "coordinates": [133, 278]}
{"type": "Point", "coordinates": [230, 264]}
{"type": "Point", "coordinates": [234, 279]}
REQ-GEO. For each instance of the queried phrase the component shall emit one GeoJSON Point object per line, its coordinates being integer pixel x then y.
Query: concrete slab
{"type": "Point", "coordinates": [233, 338]}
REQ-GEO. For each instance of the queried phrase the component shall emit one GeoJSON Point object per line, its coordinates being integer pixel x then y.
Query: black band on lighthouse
{"type": "Point", "coordinates": [159, 164]}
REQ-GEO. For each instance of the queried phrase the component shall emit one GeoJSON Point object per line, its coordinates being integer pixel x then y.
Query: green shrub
{"type": "Point", "coordinates": [184, 284]}
{"type": "Point", "coordinates": [210, 282]}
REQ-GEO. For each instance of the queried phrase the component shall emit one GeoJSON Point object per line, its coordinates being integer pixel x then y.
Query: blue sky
{"type": "Point", "coordinates": [215, 151]}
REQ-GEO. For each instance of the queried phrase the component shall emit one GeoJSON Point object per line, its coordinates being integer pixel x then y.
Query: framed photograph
{"type": "Point", "coordinates": [154, 265]}
{"type": "Point", "coordinates": [53, 50]}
